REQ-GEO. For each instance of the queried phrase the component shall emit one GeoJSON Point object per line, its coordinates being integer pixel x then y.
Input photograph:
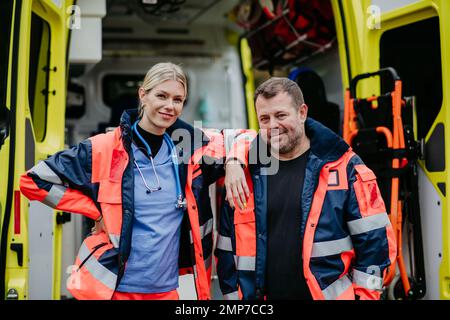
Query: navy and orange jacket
{"type": "Point", "coordinates": [348, 241]}
{"type": "Point", "coordinates": [96, 179]}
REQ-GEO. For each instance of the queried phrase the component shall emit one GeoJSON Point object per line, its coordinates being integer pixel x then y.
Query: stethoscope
{"type": "Point", "coordinates": [181, 201]}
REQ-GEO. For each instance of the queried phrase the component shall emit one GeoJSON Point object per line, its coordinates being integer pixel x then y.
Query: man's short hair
{"type": "Point", "coordinates": [275, 85]}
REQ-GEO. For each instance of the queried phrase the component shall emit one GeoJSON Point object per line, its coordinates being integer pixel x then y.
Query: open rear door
{"type": "Point", "coordinates": [409, 37]}
{"type": "Point", "coordinates": [33, 50]}
{"type": "Point", "coordinates": [9, 46]}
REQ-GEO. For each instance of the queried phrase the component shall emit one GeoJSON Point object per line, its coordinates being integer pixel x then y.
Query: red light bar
{"type": "Point", "coordinates": [16, 212]}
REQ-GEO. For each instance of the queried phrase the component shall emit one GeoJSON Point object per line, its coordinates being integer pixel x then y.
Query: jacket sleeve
{"type": "Point", "coordinates": [370, 230]}
{"type": "Point", "coordinates": [225, 145]}
{"type": "Point", "coordinates": [213, 158]}
{"type": "Point", "coordinates": [225, 251]}
{"type": "Point", "coordinates": [237, 144]}
{"type": "Point", "coordinates": [63, 181]}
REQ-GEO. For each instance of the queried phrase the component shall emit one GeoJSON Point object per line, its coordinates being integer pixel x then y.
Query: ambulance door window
{"type": "Point", "coordinates": [120, 93]}
{"type": "Point", "coordinates": [5, 34]}
{"type": "Point", "coordinates": [414, 50]}
{"type": "Point", "coordinates": [39, 70]}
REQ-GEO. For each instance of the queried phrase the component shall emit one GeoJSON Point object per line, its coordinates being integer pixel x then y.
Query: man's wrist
{"type": "Point", "coordinates": [234, 160]}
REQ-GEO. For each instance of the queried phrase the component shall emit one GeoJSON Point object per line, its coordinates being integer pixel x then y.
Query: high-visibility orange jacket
{"type": "Point", "coordinates": [348, 241]}
{"type": "Point", "coordinates": [95, 179]}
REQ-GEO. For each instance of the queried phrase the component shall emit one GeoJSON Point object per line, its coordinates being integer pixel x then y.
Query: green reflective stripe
{"type": "Point", "coordinates": [329, 248]}
{"type": "Point", "coordinates": [244, 263]}
{"type": "Point", "coordinates": [224, 243]}
{"type": "Point", "coordinates": [54, 195]}
{"type": "Point", "coordinates": [115, 240]}
{"type": "Point", "coordinates": [96, 269]}
{"type": "Point", "coordinates": [368, 281]}
{"type": "Point", "coordinates": [231, 296]}
{"type": "Point", "coordinates": [369, 223]}
{"type": "Point", "coordinates": [337, 288]}
{"type": "Point", "coordinates": [205, 229]}
{"type": "Point", "coordinates": [45, 173]}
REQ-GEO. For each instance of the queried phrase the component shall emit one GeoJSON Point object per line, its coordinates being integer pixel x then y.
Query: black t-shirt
{"type": "Point", "coordinates": [284, 273]}
{"type": "Point", "coordinates": [154, 141]}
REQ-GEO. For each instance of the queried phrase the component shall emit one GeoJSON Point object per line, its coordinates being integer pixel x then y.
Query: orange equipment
{"type": "Point", "coordinates": [374, 127]}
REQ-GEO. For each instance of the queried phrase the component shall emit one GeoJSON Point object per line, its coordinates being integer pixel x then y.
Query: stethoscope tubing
{"type": "Point", "coordinates": [174, 158]}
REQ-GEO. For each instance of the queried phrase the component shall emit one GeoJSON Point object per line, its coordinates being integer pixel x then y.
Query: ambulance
{"type": "Point", "coordinates": [69, 68]}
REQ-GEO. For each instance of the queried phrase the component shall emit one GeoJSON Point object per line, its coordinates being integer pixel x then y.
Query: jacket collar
{"type": "Point", "coordinates": [325, 144]}
{"type": "Point", "coordinates": [131, 115]}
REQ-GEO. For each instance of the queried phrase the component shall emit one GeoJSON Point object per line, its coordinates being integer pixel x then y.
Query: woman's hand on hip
{"type": "Point", "coordinates": [99, 226]}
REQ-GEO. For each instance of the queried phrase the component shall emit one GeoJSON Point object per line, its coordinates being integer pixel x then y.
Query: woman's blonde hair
{"type": "Point", "coordinates": [160, 73]}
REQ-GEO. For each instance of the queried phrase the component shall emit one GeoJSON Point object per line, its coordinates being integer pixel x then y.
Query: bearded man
{"type": "Point", "coordinates": [317, 227]}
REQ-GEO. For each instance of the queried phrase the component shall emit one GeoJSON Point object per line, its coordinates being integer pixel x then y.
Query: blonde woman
{"type": "Point", "coordinates": [153, 214]}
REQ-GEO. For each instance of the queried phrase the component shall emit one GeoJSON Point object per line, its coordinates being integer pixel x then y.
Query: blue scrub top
{"type": "Point", "coordinates": [152, 266]}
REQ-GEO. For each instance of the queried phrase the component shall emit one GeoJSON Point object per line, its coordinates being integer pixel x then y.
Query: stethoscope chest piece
{"type": "Point", "coordinates": [148, 191]}
{"type": "Point", "coordinates": [181, 203]}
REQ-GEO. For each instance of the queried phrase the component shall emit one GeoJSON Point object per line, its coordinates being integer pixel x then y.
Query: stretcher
{"type": "Point", "coordinates": [380, 129]}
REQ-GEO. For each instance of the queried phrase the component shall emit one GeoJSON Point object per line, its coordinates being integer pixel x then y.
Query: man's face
{"type": "Point", "coordinates": [281, 123]}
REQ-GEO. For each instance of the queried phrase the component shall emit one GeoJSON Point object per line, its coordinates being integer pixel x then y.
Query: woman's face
{"type": "Point", "coordinates": [162, 106]}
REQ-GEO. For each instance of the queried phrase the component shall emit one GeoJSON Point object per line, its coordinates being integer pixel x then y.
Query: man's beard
{"type": "Point", "coordinates": [293, 140]}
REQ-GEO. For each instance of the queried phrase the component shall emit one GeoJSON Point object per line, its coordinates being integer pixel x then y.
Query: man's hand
{"type": "Point", "coordinates": [236, 184]}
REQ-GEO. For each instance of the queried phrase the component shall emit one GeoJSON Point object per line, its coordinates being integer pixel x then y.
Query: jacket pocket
{"type": "Point", "coordinates": [245, 231]}
{"type": "Point", "coordinates": [94, 274]}
{"type": "Point", "coordinates": [367, 192]}
{"type": "Point", "coordinates": [110, 192]}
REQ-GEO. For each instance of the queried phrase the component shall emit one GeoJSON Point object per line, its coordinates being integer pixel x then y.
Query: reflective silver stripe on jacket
{"type": "Point", "coordinates": [229, 135]}
{"type": "Point", "coordinates": [224, 243]}
{"type": "Point", "coordinates": [45, 173]}
{"type": "Point", "coordinates": [368, 281]}
{"type": "Point", "coordinates": [337, 288]}
{"type": "Point", "coordinates": [115, 239]}
{"type": "Point", "coordinates": [96, 269]}
{"type": "Point", "coordinates": [231, 296]}
{"type": "Point", "coordinates": [54, 195]}
{"type": "Point", "coordinates": [205, 229]}
{"type": "Point", "coordinates": [369, 223]}
{"type": "Point", "coordinates": [329, 248]}
{"type": "Point", "coordinates": [208, 262]}
{"type": "Point", "coordinates": [244, 263]}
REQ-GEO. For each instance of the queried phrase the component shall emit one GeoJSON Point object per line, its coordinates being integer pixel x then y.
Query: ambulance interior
{"type": "Point", "coordinates": [119, 40]}
{"type": "Point", "coordinates": [116, 45]}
